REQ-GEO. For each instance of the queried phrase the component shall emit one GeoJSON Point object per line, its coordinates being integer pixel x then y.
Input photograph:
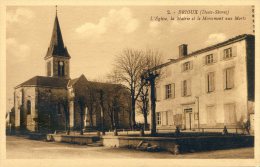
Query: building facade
{"type": "Point", "coordinates": [209, 88]}
{"type": "Point", "coordinates": [57, 102]}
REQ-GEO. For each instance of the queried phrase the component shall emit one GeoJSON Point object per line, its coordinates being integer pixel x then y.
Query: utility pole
{"type": "Point", "coordinates": [150, 77]}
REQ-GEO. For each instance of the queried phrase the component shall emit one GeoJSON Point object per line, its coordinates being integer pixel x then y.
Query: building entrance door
{"type": "Point", "coordinates": [188, 118]}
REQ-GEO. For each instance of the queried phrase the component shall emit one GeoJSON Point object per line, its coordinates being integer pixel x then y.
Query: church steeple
{"type": "Point", "coordinates": [57, 47]}
{"type": "Point", "coordinates": [57, 56]}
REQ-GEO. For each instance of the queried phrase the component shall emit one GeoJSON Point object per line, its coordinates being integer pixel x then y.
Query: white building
{"type": "Point", "coordinates": [209, 88]}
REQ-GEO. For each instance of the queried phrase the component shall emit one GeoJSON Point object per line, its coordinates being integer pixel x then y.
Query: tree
{"type": "Point", "coordinates": [81, 100]}
{"type": "Point", "coordinates": [152, 58]}
{"type": "Point", "coordinates": [92, 98]}
{"type": "Point", "coordinates": [128, 68]}
{"type": "Point", "coordinates": [64, 102]}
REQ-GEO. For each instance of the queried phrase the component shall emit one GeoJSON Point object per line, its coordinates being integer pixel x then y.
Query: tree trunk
{"type": "Point", "coordinates": [153, 121]}
{"type": "Point", "coordinates": [91, 116]}
{"type": "Point", "coordinates": [133, 112]}
{"type": "Point", "coordinates": [145, 121]}
{"type": "Point", "coordinates": [81, 119]}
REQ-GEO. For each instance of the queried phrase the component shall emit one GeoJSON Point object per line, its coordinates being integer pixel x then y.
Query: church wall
{"type": "Point", "coordinates": [51, 115]}
{"type": "Point", "coordinates": [25, 110]}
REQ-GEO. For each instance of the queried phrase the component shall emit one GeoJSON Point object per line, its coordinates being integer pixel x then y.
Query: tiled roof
{"type": "Point", "coordinates": [42, 81]}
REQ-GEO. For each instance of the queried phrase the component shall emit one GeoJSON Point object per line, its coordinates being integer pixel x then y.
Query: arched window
{"type": "Point", "coordinates": [61, 68]}
{"type": "Point", "coordinates": [28, 107]}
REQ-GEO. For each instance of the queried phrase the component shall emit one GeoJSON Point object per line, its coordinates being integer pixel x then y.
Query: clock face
{"type": "Point", "coordinates": [61, 63]}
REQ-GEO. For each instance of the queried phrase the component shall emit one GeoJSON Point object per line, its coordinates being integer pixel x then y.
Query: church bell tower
{"type": "Point", "coordinates": [57, 57]}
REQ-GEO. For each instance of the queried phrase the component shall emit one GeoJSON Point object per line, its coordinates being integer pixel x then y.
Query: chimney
{"type": "Point", "coordinates": [183, 50]}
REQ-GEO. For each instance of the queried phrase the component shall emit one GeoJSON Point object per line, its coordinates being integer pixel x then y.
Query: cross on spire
{"type": "Point", "coordinates": [56, 9]}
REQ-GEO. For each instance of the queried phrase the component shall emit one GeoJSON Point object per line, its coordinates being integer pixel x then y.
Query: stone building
{"type": "Point", "coordinates": [57, 102]}
{"type": "Point", "coordinates": [208, 88]}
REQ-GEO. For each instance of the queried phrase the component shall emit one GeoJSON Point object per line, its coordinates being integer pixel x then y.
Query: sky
{"type": "Point", "coordinates": [94, 35]}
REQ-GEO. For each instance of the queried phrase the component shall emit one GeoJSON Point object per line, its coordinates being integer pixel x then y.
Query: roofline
{"type": "Point", "coordinates": [19, 86]}
{"type": "Point", "coordinates": [206, 49]}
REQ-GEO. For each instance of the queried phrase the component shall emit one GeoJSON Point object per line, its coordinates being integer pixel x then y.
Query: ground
{"type": "Point", "coordinates": [22, 148]}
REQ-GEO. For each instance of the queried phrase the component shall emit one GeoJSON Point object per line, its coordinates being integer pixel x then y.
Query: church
{"type": "Point", "coordinates": [57, 102]}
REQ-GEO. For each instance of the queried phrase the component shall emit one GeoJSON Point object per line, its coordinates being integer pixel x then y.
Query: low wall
{"type": "Point", "coordinates": [71, 139]}
{"type": "Point", "coordinates": [185, 144]}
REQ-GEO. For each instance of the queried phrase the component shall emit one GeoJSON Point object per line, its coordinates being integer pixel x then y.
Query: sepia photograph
{"type": "Point", "coordinates": [117, 81]}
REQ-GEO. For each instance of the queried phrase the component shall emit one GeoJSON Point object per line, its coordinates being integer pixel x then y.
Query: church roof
{"type": "Point", "coordinates": [57, 47]}
{"type": "Point", "coordinates": [42, 81]}
{"type": "Point", "coordinates": [72, 82]}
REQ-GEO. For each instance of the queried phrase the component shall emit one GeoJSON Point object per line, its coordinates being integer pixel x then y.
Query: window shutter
{"type": "Point", "coordinates": [164, 118]}
{"type": "Point", "coordinates": [207, 83]}
{"type": "Point", "coordinates": [221, 54]}
{"type": "Point", "coordinates": [189, 87]}
{"type": "Point", "coordinates": [203, 60]}
{"type": "Point", "coordinates": [231, 77]}
{"type": "Point", "coordinates": [212, 81]}
{"type": "Point", "coordinates": [191, 65]}
{"type": "Point", "coordinates": [225, 78]}
{"type": "Point", "coordinates": [158, 93]}
{"type": "Point", "coordinates": [173, 90]}
{"type": "Point", "coordinates": [182, 88]}
{"type": "Point", "coordinates": [170, 118]}
{"type": "Point", "coordinates": [215, 57]}
{"type": "Point", "coordinates": [234, 51]}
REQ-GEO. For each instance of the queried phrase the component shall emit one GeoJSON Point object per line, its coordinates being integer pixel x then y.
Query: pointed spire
{"type": "Point", "coordinates": [57, 47]}
{"type": "Point", "coordinates": [56, 10]}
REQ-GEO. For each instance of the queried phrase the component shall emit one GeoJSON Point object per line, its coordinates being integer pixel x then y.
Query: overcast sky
{"type": "Point", "coordinates": [95, 34]}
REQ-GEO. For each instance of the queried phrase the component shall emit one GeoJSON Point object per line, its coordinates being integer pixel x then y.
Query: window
{"type": "Point", "coordinates": [49, 68]}
{"type": "Point", "coordinates": [211, 115]}
{"type": "Point", "coordinates": [227, 53]}
{"type": "Point", "coordinates": [187, 66]}
{"type": "Point", "coordinates": [210, 82]}
{"type": "Point", "coordinates": [209, 59]}
{"type": "Point", "coordinates": [186, 88]}
{"type": "Point", "coordinates": [158, 118]}
{"type": "Point", "coordinates": [61, 68]}
{"type": "Point", "coordinates": [168, 91]}
{"type": "Point", "coordinates": [28, 107]}
{"type": "Point", "coordinates": [229, 78]}
{"type": "Point", "coordinates": [230, 113]}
